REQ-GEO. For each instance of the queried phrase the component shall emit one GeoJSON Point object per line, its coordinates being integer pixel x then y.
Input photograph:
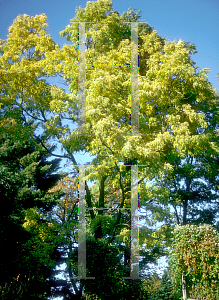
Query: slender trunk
{"type": "Point", "coordinates": [185, 200]}
{"type": "Point", "coordinates": [124, 191]}
{"type": "Point", "coordinates": [185, 204]}
{"type": "Point", "coordinates": [184, 287]}
{"type": "Point", "coordinates": [98, 232]}
{"type": "Point", "coordinates": [70, 273]}
{"type": "Point", "coordinates": [176, 213]}
{"type": "Point", "coordinates": [101, 196]}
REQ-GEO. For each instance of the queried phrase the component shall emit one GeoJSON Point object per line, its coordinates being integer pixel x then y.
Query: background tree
{"type": "Point", "coordinates": [26, 257]}
{"type": "Point", "coordinates": [195, 253]}
{"type": "Point", "coordinates": [104, 262]}
{"type": "Point", "coordinates": [158, 288]}
{"type": "Point", "coordinates": [65, 221]}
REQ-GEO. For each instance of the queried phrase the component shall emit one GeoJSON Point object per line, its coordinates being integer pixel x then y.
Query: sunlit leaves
{"type": "Point", "coordinates": [178, 113]}
{"type": "Point", "coordinates": [22, 64]}
{"type": "Point", "coordinates": [43, 242]}
{"type": "Point", "coordinates": [196, 253]}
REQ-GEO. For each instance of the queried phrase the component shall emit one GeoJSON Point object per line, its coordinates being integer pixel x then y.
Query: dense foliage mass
{"type": "Point", "coordinates": [27, 255]}
{"type": "Point", "coordinates": [196, 254]}
{"type": "Point", "coordinates": [176, 151]}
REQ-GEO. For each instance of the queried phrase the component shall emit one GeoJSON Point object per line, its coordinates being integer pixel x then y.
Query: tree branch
{"type": "Point", "coordinates": [177, 216]}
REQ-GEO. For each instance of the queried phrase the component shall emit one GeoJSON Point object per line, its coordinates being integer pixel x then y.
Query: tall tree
{"type": "Point", "coordinates": [171, 127]}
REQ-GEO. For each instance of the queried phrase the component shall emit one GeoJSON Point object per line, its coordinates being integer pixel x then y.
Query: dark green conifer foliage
{"type": "Point", "coordinates": [25, 178]}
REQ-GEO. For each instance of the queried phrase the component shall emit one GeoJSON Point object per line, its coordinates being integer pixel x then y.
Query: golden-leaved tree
{"type": "Point", "coordinates": [176, 104]}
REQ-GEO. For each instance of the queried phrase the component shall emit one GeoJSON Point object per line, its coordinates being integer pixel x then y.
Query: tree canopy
{"type": "Point", "coordinates": [175, 148]}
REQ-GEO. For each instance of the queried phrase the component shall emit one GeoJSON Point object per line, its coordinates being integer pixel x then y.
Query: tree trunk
{"type": "Point", "coordinates": [184, 287]}
{"type": "Point", "coordinates": [185, 203]}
